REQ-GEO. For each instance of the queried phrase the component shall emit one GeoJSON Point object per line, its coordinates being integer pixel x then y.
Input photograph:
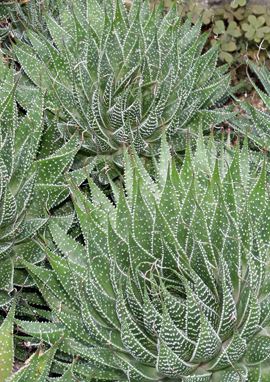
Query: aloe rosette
{"type": "Point", "coordinates": [124, 75]}
{"type": "Point", "coordinates": [171, 283]}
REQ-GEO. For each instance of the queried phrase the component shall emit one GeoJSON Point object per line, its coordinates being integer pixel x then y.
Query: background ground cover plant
{"type": "Point", "coordinates": [241, 31]}
{"type": "Point", "coordinates": [239, 28]}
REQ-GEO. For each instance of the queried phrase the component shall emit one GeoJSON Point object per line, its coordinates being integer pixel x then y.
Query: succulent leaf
{"type": "Point", "coordinates": [7, 345]}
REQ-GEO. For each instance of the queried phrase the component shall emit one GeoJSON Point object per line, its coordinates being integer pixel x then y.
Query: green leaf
{"type": "Point", "coordinates": [254, 374]}
{"type": "Point", "coordinates": [50, 169]}
{"type": "Point", "coordinates": [7, 345]}
{"type": "Point", "coordinates": [219, 27]}
{"type": "Point", "coordinates": [208, 344]}
{"type": "Point", "coordinates": [32, 66]}
{"type": "Point", "coordinates": [258, 350]}
{"type": "Point", "coordinates": [47, 332]}
{"type": "Point", "coordinates": [170, 364]}
{"type": "Point", "coordinates": [6, 276]}
{"type": "Point", "coordinates": [234, 351]}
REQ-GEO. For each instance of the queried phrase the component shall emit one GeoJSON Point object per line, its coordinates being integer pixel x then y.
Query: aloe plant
{"type": "Point", "coordinates": [122, 77]}
{"type": "Point", "coordinates": [171, 283]}
{"type": "Point", "coordinates": [32, 181]}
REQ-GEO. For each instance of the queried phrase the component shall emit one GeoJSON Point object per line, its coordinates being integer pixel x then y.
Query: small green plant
{"type": "Point", "coordinates": [226, 39]}
{"type": "Point", "coordinates": [172, 282]}
{"type": "Point", "coordinates": [255, 28]}
{"type": "Point", "coordinates": [123, 77]}
{"type": "Point", "coordinates": [238, 3]}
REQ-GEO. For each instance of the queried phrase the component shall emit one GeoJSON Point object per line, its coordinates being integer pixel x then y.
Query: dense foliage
{"type": "Point", "coordinates": [134, 236]}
